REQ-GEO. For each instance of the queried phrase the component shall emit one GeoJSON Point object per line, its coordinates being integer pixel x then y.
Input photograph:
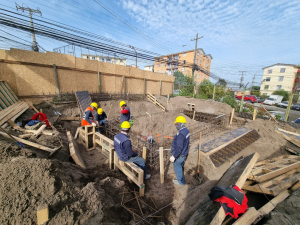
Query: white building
{"type": "Point", "coordinates": [149, 68]}
{"type": "Point", "coordinates": [106, 59]}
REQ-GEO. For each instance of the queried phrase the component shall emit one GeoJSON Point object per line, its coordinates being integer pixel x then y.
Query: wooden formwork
{"type": "Point", "coordinates": [132, 171]}
{"type": "Point", "coordinates": [152, 99]}
{"type": "Point", "coordinates": [87, 136]}
{"type": "Point", "coordinates": [107, 147]}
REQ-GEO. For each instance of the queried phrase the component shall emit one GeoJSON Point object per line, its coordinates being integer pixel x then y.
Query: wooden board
{"type": "Point", "coordinates": [248, 217]}
{"type": "Point", "coordinates": [74, 151]}
{"type": "Point", "coordinates": [3, 83]}
{"type": "Point", "coordinates": [225, 153]}
{"type": "Point", "coordinates": [152, 99]}
{"type": "Point", "coordinates": [106, 147]}
{"type": "Point", "coordinates": [276, 185]}
{"type": "Point", "coordinates": [84, 100]}
{"type": "Point", "coordinates": [42, 215]}
{"type": "Point", "coordinates": [267, 169]}
{"type": "Point", "coordinates": [210, 212]}
{"type": "Point", "coordinates": [7, 97]}
{"type": "Point", "coordinates": [223, 140]}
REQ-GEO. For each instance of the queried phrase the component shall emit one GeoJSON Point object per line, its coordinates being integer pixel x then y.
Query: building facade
{"type": "Point", "coordinates": [183, 62]}
{"type": "Point", "coordinates": [149, 68]}
{"type": "Point", "coordinates": [280, 76]}
{"type": "Point", "coordinates": [106, 59]}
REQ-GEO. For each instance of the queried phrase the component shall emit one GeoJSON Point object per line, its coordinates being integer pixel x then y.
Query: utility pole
{"type": "Point", "coordinates": [252, 82]}
{"type": "Point", "coordinates": [242, 78]}
{"type": "Point", "coordinates": [193, 70]}
{"type": "Point", "coordinates": [135, 55]}
{"type": "Point", "coordinates": [31, 11]}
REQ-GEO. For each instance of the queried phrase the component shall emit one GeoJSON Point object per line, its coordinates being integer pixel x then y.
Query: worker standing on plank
{"type": "Point", "coordinates": [180, 149]}
{"type": "Point", "coordinates": [101, 119]}
{"type": "Point", "coordinates": [88, 118]}
{"type": "Point", "coordinates": [123, 148]}
{"type": "Point", "coordinates": [125, 112]}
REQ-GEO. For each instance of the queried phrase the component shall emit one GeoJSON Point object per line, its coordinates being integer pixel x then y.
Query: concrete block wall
{"type": "Point", "coordinates": [31, 73]}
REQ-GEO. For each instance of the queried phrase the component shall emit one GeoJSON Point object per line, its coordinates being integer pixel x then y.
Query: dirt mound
{"type": "Point", "coordinates": [72, 196]}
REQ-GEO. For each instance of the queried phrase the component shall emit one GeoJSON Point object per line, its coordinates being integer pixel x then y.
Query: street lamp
{"type": "Point", "coordinates": [135, 55]}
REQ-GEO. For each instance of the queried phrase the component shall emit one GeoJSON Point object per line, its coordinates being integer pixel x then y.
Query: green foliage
{"type": "Point", "coordinates": [221, 82]}
{"type": "Point", "coordinates": [255, 88]}
{"type": "Point", "coordinates": [207, 88]}
{"type": "Point", "coordinates": [283, 93]}
{"type": "Point", "coordinates": [256, 93]}
{"type": "Point", "coordinates": [180, 78]}
{"type": "Point", "coordinates": [189, 87]}
{"type": "Point", "coordinates": [230, 101]}
{"type": "Point", "coordinates": [278, 116]}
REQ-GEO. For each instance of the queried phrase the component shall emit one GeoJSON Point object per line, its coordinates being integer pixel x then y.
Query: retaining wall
{"type": "Point", "coordinates": [32, 73]}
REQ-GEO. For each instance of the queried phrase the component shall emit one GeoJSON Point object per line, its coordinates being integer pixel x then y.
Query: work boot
{"type": "Point", "coordinates": [147, 176]}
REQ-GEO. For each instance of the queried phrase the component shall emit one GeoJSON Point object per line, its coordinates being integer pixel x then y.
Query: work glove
{"type": "Point", "coordinates": [93, 124]}
{"type": "Point", "coordinates": [172, 159]}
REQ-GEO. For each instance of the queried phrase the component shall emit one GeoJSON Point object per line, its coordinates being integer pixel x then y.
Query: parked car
{"type": "Point", "coordinates": [283, 104]}
{"type": "Point", "coordinates": [296, 107]}
{"type": "Point", "coordinates": [273, 99]}
{"type": "Point", "coordinates": [296, 121]}
{"type": "Point", "coordinates": [259, 99]}
{"type": "Point", "coordinates": [247, 98]}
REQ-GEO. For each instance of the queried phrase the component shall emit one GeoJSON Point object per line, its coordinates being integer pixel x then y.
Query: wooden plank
{"type": "Point", "coordinates": [10, 90]}
{"type": "Point", "coordinates": [292, 151]}
{"type": "Point", "coordinates": [7, 94]}
{"type": "Point", "coordinates": [248, 217]}
{"type": "Point", "coordinates": [161, 165]}
{"type": "Point", "coordinates": [288, 132]}
{"type": "Point", "coordinates": [74, 151]}
{"type": "Point", "coordinates": [42, 215]}
{"type": "Point", "coordinates": [12, 113]}
{"type": "Point", "coordinates": [210, 212]}
{"type": "Point", "coordinates": [144, 153]}
{"type": "Point", "coordinates": [25, 135]}
{"type": "Point", "coordinates": [232, 114]}
{"type": "Point", "coordinates": [4, 98]}
{"type": "Point", "coordinates": [30, 143]}
{"type": "Point", "coordinates": [2, 104]}
{"type": "Point", "coordinates": [31, 105]}
{"type": "Point", "coordinates": [40, 130]}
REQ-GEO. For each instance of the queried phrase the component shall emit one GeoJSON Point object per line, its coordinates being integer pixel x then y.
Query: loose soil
{"type": "Point", "coordinates": [30, 179]}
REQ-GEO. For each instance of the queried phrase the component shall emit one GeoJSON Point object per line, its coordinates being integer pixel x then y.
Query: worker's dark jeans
{"type": "Point", "coordinates": [101, 123]}
{"type": "Point", "coordinates": [178, 168]}
{"type": "Point", "coordinates": [140, 162]}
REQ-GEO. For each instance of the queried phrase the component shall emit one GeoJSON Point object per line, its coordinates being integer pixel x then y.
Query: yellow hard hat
{"type": "Point", "coordinates": [100, 111]}
{"type": "Point", "coordinates": [180, 119]}
{"type": "Point", "coordinates": [122, 103]}
{"type": "Point", "coordinates": [125, 125]}
{"type": "Point", "coordinates": [94, 104]}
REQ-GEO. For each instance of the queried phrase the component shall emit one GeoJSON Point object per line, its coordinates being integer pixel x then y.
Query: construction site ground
{"type": "Point", "coordinates": [30, 179]}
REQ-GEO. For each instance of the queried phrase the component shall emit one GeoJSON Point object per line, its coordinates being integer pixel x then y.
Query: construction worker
{"type": "Point", "coordinates": [123, 148]}
{"type": "Point", "coordinates": [101, 119]}
{"type": "Point", "coordinates": [125, 112]}
{"type": "Point", "coordinates": [88, 118]}
{"type": "Point", "coordinates": [180, 149]}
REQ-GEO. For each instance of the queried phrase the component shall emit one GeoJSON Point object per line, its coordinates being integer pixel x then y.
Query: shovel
{"type": "Point", "coordinates": [198, 170]}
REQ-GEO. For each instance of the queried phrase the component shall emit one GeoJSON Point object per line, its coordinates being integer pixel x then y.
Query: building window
{"type": "Point", "coordinates": [269, 71]}
{"type": "Point", "coordinates": [183, 61]}
{"type": "Point", "coordinates": [200, 62]}
{"type": "Point", "coordinates": [280, 78]}
{"type": "Point", "coordinates": [157, 65]}
{"type": "Point", "coordinates": [102, 59]}
{"type": "Point", "coordinates": [183, 69]}
{"type": "Point", "coordinates": [87, 57]}
{"type": "Point", "coordinates": [93, 58]}
{"type": "Point", "coordinates": [268, 78]}
{"type": "Point", "coordinates": [206, 65]}
{"type": "Point", "coordinates": [157, 71]}
{"type": "Point", "coordinates": [108, 59]}
{"type": "Point", "coordinates": [162, 65]}
{"type": "Point", "coordinates": [278, 87]}
{"type": "Point", "coordinates": [282, 70]}
{"type": "Point", "coordinates": [162, 71]}
{"type": "Point", "coordinates": [266, 87]}
{"type": "Point", "coordinates": [197, 53]}
{"type": "Point", "coordinates": [265, 94]}
{"type": "Point", "coordinates": [184, 54]}
{"type": "Point", "coordinates": [204, 78]}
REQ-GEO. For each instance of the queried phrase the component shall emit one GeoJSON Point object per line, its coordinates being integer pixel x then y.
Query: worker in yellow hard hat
{"type": "Point", "coordinates": [180, 149]}
{"type": "Point", "coordinates": [88, 118]}
{"type": "Point", "coordinates": [123, 148]}
{"type": "Point", "coordinates": [125, 112]}
{"type": "Point", "coordinates": [101, 119]}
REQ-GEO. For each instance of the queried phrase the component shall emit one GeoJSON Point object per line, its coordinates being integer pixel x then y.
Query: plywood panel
{"type": "Point", "coordinates": [166, 88]}
{"type": "Point", "coordinates": [106, 67]}
{"type": "Point", "coordinates": [7, 74]}
{"type": "Point", "coordinates": [86, 64]}
{"type": "Point", "coordinates": [153, 87]}
{"type": "Point", "coordinates": [60, 59]}
{"type": "Point", "coordinates": [108, 83]}
{"type": "Point", "coordinates": [134, 86]}
{"type": "Point", "coordinates": [122, 70]}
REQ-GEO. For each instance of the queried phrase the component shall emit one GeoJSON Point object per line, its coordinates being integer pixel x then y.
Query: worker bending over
{"type": "Point", "coordinates": [101, 119]}
{"type": "Point", "coordinates": [125, 112]}
{"type": "Point", "coordinates": [88, 118]}
{"type": "Point", "coordinates": [180, 149]}
{"type": "Point", "coordinates": [123, 148]}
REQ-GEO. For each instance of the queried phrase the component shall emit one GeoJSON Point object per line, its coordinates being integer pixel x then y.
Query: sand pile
{"type": "Point", "coordinates": [72, 195]}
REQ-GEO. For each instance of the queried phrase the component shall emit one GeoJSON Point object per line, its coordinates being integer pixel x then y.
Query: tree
{"type": "Point", "coordinates": [206, 88]}
{"type": "Point", "coordinates": [283, 93]}
{"type": "Point", "coordinates": [222, 82]}
{"type": "Point", "coordinates": [255, 88]}
{"type": "Point", "coordinates": [188, 88]}
{"type": "Point", "coordinates": [179, 78]}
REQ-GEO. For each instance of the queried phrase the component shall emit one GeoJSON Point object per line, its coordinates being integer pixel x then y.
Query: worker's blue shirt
{"type": "Point", "coordinates": [180, 144]}
{"type": "Point", "coordinates": [100, 117]}
{"type": "Point", "coordinates": [125, 117]}
{"type": "Point", "coordinates": [88, 116]}
{"type": "Point", "coordinates": [123, 148]}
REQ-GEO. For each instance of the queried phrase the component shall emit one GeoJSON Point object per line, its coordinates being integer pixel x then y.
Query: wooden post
{"type": "Point", "coordinates": [287, 112]}
{"type": "Point", "coordinates": [99, 82]}
{"type": "Point", "coordinates": [144, 86]}
{"type": "Point", "coordinates": [161, 165]}
{"type": "Point", "coordinates": [194, 91]}
{"type": "Point", "coordinates": [194, 114]}
{"type": "Point", "coordinates": [198, 169]}
{"type": "Point", "coordinates": [232, 113]}
{"type": "Point", "coordinates": [56, 78]}
{"type": "Point", "coordinates": [41, 110]}
{"type": "Point", "coordinates": [124, 85]}
{"type": "Point", "coordinates": [160, 87]}
{"type": "Point", "coordinates": [127, 97]}
{"type": "Point", "coordinates": [242, 101]}
{"type": "Point", "coordinates": [168, 99]}
{"type": "Point", "coordinates": [144, 153]}
{"type": "Point", "coordinates": [254, 114]}
{"type": "Point", "coordinates": [172, 87]}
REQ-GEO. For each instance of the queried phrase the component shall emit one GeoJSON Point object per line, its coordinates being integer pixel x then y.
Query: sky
{"type": "Point", "coordinates": [240, 35]}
